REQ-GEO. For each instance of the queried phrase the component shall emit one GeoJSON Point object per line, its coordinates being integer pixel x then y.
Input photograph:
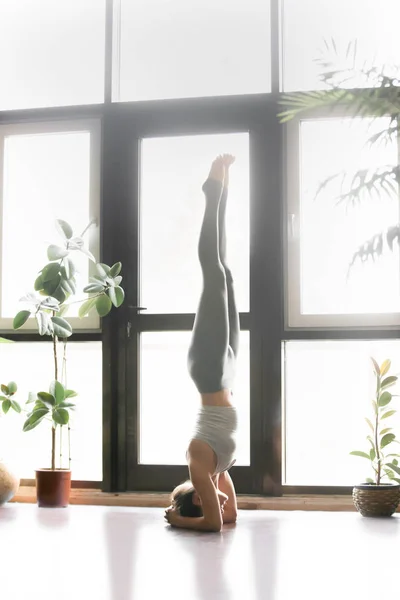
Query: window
{"type": "Point", "coordinates": [168, 413]}
{"type": "Point", "coordinates": [181, 49]}
{"type": "Point", "coordinates": [307, 24]}
{"type": "Point", "coordinates": [49, 171]}
{"type": "Point", "coordinates": [29, 364]}
{"type": "Point", "coordinates": [51, 53]}
{"type": "Point", "coordinates": [329, 386]}
{"type": "Point", "coordinates": [324, 232]}
{"type": "Point", "coordinates": [172, 206]}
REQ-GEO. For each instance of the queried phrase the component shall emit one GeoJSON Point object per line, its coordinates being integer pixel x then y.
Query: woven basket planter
{"type": "Point", "coordinates": [376, 500]}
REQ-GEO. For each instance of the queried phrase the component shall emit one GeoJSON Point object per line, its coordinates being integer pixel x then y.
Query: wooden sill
{"type": "Point", "coordinates": [27, 494]}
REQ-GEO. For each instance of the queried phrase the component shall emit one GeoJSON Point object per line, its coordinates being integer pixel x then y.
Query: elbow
{"type": "Point", "coordinates": [230, 516]}
{"type": "Point", "coordinates": [214, 526]}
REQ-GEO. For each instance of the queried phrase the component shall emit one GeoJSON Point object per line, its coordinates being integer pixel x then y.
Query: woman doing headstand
{"type": "Point", "coordinates": [208, 499]}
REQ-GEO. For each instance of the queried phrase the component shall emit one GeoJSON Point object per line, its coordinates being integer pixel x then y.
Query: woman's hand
{"type": "Point", "coordinates": [171, 515]}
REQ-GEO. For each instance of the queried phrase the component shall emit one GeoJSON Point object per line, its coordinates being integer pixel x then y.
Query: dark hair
{"type": "Point", "coordinates": [183, 501]}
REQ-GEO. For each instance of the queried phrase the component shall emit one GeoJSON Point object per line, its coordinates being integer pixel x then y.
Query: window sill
{"type": "Point", "coordinates": [27, 494]}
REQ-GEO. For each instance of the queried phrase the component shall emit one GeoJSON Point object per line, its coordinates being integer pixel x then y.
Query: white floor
{"type": "Point", "coordinates": [103, 553]}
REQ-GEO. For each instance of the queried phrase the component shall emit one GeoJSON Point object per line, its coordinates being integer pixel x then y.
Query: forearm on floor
{"type": "Point", "coordinates": [197, 523]}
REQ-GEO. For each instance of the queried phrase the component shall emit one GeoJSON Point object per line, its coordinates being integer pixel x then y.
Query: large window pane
{"type": "Point", "coordinates": [182, 49]}
{"type": "Point", "coordinates": [48, 174]}
{"type": "Point", "coordinates": [327, 232]}
{"type": "Point", "coordinates": [172, 206]}
{"type": "Point", "coordinates": [307, 23]}
{"type": "Point", "coordinates": [51, 53]}
{"type": "Point", "coordinates": [329, 386]}
{"type": "Point", "coordinates": [167, 415]}
{"type": "Point", "coordinates": [30, 365]}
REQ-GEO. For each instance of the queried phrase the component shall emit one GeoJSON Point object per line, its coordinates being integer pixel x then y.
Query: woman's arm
{"type": "Point", "coordinates": [206, 490]}
{"type": "Point", "coordinates": [225, 484]}
{"type": "Point", "coordinates": [197, 523]}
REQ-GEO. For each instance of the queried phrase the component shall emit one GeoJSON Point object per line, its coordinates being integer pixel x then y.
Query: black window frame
{"type": "Point", "coordinates": [123, 126]}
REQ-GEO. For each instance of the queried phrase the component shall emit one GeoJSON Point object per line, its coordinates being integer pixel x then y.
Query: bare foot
{"type": "Point", "coordinates": [217, 171]}
{"type": "Point", "coordinates": [228, 160]}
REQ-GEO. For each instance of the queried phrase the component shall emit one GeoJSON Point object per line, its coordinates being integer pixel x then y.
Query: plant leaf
{"type": "Point", "coordinates": [57, 391]}
{"type": "Point", "coordinates": [47, 399]}
{"type": "Point", "coordinates": [103, 270]}
{"type": "Point", "coordinates": [50, 272]}
{"type": "Point", "coordinates": [117, 295]}
{"type": "Point", "coordinates": [38, 285]}
{"type": "Point", "coordinates": [12, 387]}
{"type": "Point", "coordinates": [70, 394]}
{"type": "Point", "coordinates": [388, 414]}
{"type": "Point", "coordinates": [69, 267]}
{"type": "Point", "coordinates": [15, 406]}
{"type": "Point", "coordinates": [394, 467]}
{"type": "Point", "coordinates": [362, 454]}
{"type": "Point", "coordinates": [56, 252]}
{"type": "Point", "coordinates": [117, 280]}
{"type": "Point", "coordinates": [64, 228]}
{"type": "Point", "coordinates": [387, 439]}
{"type": "Point", "coordinates": [68, 405]}
{"type": "Point", "coordinates": [60, 416]}
{"type": "Point", "coordinates": [86, 307]}
{"type": "Point", "coordinates": [372, 454]}
{"type": "Point", "coordinates": [385, 398]}
{"type": "Point", "coordinates": [388, 381]}
{"type": "Point", "coordinates": [62, 328]}
{"type": "Point", "coordinates": [32, 396]}
{"type": "Point", "coordinates": [385, 430]}
{"type": "Point", "coordinates": [385, 366]}
{"type": "Point", "coordinates": [376, 367]}
{"type": "Point", "coordinates": [4, 389]}
{"type": "Point", "coordinates": [87, 253]}
{"type": "Point", "coordinates": [369, 480]}
{"type": "Point", "coordinates": [21, 318]}
{"type": "Point", "coordinates": [370, 424]}
{"type": "Point", "coordinates": [35, 419]}
{"type": "Point", "coordinates": [93, 288]}
{"type": "Point", "coordinates": [103, 305]}
{"type": "Point", "coordinates": [6, 406]}
{"type": "Point", "coordinates": [44, 324]}
{"type": "Point", "coordinates": [115, 270]}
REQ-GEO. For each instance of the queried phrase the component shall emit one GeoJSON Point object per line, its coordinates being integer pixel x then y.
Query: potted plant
{"type": "Point", "coordinates": [54, 288]}
{"type": "Point", "coordinates": [9, 482]}
{"type": "Point", "coordinates": [375, 497]}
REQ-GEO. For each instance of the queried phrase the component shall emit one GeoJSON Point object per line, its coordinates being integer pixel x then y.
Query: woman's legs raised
{"type": "Point", "coordinates": [210, 338]}
{"type": "Point", "coordinates": [234, 325]}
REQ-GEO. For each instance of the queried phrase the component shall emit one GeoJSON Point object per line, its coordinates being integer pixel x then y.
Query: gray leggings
{"type": "Point", "coordinates": [215, 337]}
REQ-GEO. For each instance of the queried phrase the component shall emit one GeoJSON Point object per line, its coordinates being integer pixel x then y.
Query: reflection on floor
{"type": "Point", "coordinates": [107, 553]}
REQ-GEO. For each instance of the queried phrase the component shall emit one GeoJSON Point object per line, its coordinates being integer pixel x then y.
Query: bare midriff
{"type": "Point", "coordinates": [221, 398]}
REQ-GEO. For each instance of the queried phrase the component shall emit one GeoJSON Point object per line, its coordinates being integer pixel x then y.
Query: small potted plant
{"type": "Point", "coordinates": [377, 497]}
{"type": "Point", "coordinates": [9, 482]}
{"type": "Point", "coordinates": [54, 287]}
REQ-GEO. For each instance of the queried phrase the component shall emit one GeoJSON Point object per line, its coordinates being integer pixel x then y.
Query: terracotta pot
{"type": "Point", "coordinates": [9, 483]}
{"type": "Point", "coordinates": [376, 500]}
{"type": "Point", "coordinates": [53, 487]}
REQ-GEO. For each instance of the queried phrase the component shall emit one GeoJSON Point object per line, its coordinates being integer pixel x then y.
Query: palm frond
{"type": "Point", "coordinates": [372, 183]}
{"type": "Point", "coordinates": [374, 247]}
{"type": "Point", "coordinates": [385, 136]}
{"type": "Point", "coordinates": [301, 102]}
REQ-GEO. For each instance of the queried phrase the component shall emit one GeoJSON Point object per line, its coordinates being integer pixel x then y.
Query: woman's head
{"type": "Point", "coordinates": [186, 500]}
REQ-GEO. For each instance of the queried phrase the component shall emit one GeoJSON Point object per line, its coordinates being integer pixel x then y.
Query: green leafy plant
{"type": "Point", "coordinates": [54, 287]}
{"type": "Point", "coordinates": [381, 437]}
{"type": "Point", "coordinates": [378, 96]}
{"type": "Point", "coordinates": [7, 400]}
